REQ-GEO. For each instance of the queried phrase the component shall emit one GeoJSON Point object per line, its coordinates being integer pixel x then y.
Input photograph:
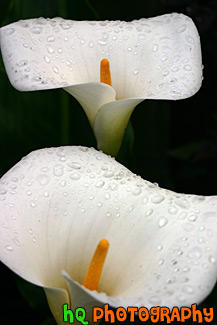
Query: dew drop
{"type": "Point", "coordinates": [107, 196]}
{"type": "Point", "coordinates": [50, 49]}
{"type": "Point", "coordinates": [56, 70]}
{"type": "Point", "coordinates": [186, 269]}
{"type": "Point", "coordinates": [108, 174]}
{"type": "Point", "coordinates": [195, 253]}
{"type": "Point", "coordinates": [9, 248]}
{"type": "Point", "coordinates": [65, 26]}
{"type": "Point", "coordinates": [161, 261]}
{"type": "Point", "coordinates": [212, 260]}
{"type": "Point", "coordinates": [46, 194]}
{"type": "Point", "coordinates": [187, 67]}
{"type": "Point", "coordinates": [100, 183]}
{"type": "Point", "coordinates": [155, 300]}
{"type": "Point", "coordinates": [162, 222]}
{"type": "Point", "coordinates": [3, 191]}
{"type": "Point", "coordinates": [74, 165]}
{"type": "Point", "coordinates": [32, 204]}
{"type": "Point", "coordinates": [192, 218]}
{"type": "Point", "coordinates": [164, 58]}
{"type": "Point", "coordinates": [43, 179]}
{"type": "Point", "coordinates": [155, 48]}
{"type": "Point", "coordinates": [46, 59]}
{"type": "Point", "coordinates": [75, 176]}
{"type": "Point", "coordinates": [157, 199]}
{"type": "Point", "coordinates": [188, 226]}
{"type": "Point", "coordinates": [183, 203]}
{"type": "Point", "coordinates": [188, 289]}
{"type": "Point", "coordinates": [58, 170]}
{"type": "Point", "coordinates": [36, 30]}
{"type": "Point", "coordinates": [102, 42]}
{"type": "Point", "coordinates": [22, 63]}
{"type": "Point", "coordinates": [181, 298]}
{"type": "Point", "coordinates": [51, 38]}
{"type": "Point", "coordinates": [91, 44]}
{"type": "Point", "coordinates": [181, 29]}
{"type": "Point", "coordinates": [190, 39]}
{"type": "Point", "coordinates": [9, 31]}
{"type": "Point", "coordinates": [160, 247]}
{"type": "Point", "coordinates": [149, 212]}
{"type": "Point", "coordinates": [136, 191]}
{"type": "Point", "coordinates": [144, 200]}
{"type": "Point", "coordinates": [172, 209]}
{"type": "Point", "coordinates": [113, 186]}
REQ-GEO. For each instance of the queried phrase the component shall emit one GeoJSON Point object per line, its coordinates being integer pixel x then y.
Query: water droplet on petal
{"type": "Point", "coordinates": [9, 248]}
{"type": "Point", "coordinates": [56, 70]}
{"type": "Point", "coordinates": [65, 25]}
{"type": "Point", "coordinates": [102, 42]}
{"type": "Point", "coordinates": [75, 176]}
{"type": "Point", "coordinates": [172, 209]}
{"type": "Point", "coordinates": [36, 30]}
{"type": "Point", "coordinates": [157, 199]}
{"type": "Point", "coordinates": [108, 174]}
{"type": "Point", "coordinates": [162, 222]}
{"type": "Point", "coordinates": [149, 212]}
{"type": "Point", "coordinates": [46, 58]}
{"type": "Point", "coordinates": [192, 218]}
{"type": "Point", "coordinates": [100, 183]}
{"type": "Point", "coordinates": [188, 289]}
{"type": "Point", "coordinates": [33, 204]}
{"type": "Point", "coordinates": [107, 196]}
{"type": "Point", "coordinates": [51, 38]}
{"type": "Point", "coordinates": [155, 300]}
{"type": "Point", "coordinates": [46, 194]}
{"type": "Point", "coordinates": [187, 67]}
{"type": "Point", "coordinates": [50, 49]}
{"type": "Point", "coordinates": [58, 170]}
{"type": "Point", "coordinates": [43, 179]}
{"type": "Point", "coordinates": [190, 39]}
{"type": "Point", "coordinates": [155, 48]}
{"type": "Point", "coordinates": [181, 28]}
{"type": "Point", "coordinates": [144, 200]}
{"type": "Point", "coordinates": [3, 191]}
{"type": "Point", "coordinates": [74, 165]}
{"type": "Point", "coordinates": [195, 252]}
{"type": "Point", "coordinates": [181, 298]}
{"type": "Point", "coordinates": [9, 31]}
{"type": "Point", "coordinates": [188, 226]}
{"type": "Point", "coordinates": [136, 191]}
{"type": "Point", "coordinates": [212, 260]}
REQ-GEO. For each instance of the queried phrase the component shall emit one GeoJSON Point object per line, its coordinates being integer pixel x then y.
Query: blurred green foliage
{"type": "Point", "coordinates": [175, 142]}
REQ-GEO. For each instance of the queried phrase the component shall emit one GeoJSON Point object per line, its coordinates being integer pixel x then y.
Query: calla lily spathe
{"type": "Point", "coordinates": [155, 58]}
{"type": "Point", "coordinates": [57, 204]}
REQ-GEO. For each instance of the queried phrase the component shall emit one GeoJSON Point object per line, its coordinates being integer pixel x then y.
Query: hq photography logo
{"type": "Point", "coordinates": [155, 314]}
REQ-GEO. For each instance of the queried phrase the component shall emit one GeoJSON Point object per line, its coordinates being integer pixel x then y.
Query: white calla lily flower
{"type": "Point", "coordinates": [155, 58]}
{"type": "Point", "coordinates": [57, 204]}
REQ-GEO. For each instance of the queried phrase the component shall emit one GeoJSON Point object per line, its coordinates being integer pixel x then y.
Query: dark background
{"type": "Point", "coordinates": [175, 141]}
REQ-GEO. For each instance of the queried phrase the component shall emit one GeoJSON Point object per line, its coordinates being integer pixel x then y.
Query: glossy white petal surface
{"type": "Point", "coordinates": [158, 57]}
{"type": "Point", "coordinates": [111, 122]}
{"type": "Point", "coordinates": [56, 298]}
{"type": "Point", "coordinates": [57, 204]}
{"type": "Point", "coordinates": [92, 96]}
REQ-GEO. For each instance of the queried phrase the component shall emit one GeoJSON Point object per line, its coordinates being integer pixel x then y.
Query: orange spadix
{"type": "Point", "coordinates": [94, 271]}
{"type": "Point", "coordinates": [105, 74]}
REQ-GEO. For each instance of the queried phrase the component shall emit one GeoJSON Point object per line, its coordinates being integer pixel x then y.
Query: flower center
{"type": "Point", "coordinates": [95, 268]}
{"type": "Point", "coordinates": [105, 74]}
